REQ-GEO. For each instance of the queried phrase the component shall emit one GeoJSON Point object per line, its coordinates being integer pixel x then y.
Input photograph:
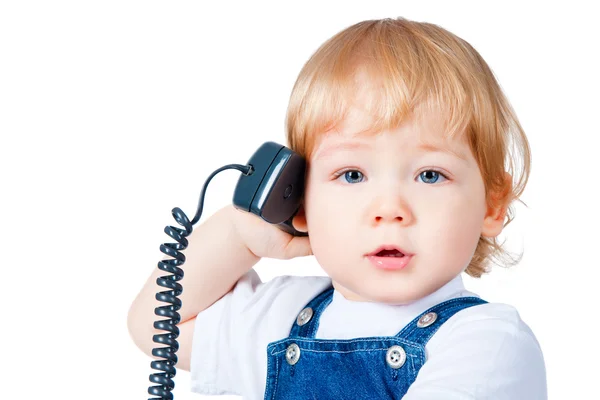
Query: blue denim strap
{"type": "Point", "coordinates": [444, 311]}
{"type": "Point", "coordinates": [317, 304]}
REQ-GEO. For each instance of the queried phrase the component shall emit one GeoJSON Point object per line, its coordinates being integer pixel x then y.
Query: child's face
{"type": "Point", "coordinates": [389, 200]}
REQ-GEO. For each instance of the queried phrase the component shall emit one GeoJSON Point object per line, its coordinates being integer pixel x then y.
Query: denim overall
{"type": "Point", "coordinates": [382, 367]}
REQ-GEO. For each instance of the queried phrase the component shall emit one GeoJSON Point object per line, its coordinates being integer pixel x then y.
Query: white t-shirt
{"type": "Point", "coordinates": [482, 352]}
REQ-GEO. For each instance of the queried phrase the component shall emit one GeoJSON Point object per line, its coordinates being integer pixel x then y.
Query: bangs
{"type": "Point", "coordinates": [390, 72]}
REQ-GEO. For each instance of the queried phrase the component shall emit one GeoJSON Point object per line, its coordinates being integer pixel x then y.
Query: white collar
{"type": "Point", "coordinates": [345, 319]}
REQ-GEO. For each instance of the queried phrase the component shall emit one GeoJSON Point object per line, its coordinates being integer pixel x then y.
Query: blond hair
{"type": "Point", "coordinates": [411, 65]}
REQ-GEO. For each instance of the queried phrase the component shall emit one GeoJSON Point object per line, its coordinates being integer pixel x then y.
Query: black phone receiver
{"type": "Point", "coordinates": [274, 188]}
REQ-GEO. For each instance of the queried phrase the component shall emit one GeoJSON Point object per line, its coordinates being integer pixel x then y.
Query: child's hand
{"type": "Point", "coordinates": [267, 240]}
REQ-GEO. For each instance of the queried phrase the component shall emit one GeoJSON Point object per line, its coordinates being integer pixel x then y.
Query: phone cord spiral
{"type": "Point", "coordinates": [167, 357]}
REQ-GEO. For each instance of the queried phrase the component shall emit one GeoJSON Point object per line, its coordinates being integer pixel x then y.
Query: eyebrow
{"type": "Point", "coordinates": [431, 147]}
{"type": "Point", "coordinates": [435, 148]}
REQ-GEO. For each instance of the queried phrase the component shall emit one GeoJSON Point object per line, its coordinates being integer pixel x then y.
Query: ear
{"type": "Point", "coordinates": [493, 223]}
{"type": "Point", "coordinates": [299, 220]}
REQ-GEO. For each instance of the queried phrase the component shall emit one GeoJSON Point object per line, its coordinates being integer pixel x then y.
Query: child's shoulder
{"type": "Point", "coordinates": [283, 284]}
{"type": "Point", "coordinates": [285, 293]}
{"type": "Point", "coordinates": [490, 324]}
{"type": "Point", "coordinates": [491, 349]}
{"type": "Point", "coordinates": [489, 316]}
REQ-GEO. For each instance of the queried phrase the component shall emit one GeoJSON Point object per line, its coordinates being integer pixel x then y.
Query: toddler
{"type": "Point", "coordinates": [409, 181]}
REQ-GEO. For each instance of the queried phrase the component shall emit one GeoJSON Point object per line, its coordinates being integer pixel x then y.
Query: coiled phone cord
{"type": "Point", "coordinates": [167, 355]}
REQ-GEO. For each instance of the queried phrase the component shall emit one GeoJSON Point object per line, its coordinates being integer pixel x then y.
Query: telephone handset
{"type": "Point", "coordinates": [275, 188]}
{"type": "Point", "coordinates": [271, 187]}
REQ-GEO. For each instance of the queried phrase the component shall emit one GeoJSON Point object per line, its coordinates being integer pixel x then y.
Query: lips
{"type": "Point", "coordinates": [389, 250]}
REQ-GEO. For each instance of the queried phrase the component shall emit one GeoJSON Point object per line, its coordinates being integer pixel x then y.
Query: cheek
{"type": "Point", "coordinates": [327, 241]}
{"type": "Point", "coordinates": [325, 221]}
{"type": "Point", "coordinates": [455, 226]}
{"type": "Point", "coordinates": [328, 223]}
{"type": "Point", "coordinates": [329, 210]}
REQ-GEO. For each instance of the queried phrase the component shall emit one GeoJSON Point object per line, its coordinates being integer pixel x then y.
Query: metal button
{"type": "Point", "coordinates": [395, 357]}
{"type": "Point", "coordinates": [427, 320]}
{"type": "Point", "coordinates": [292, 354]}
{"type": "Point", "coordinates": [304, 316]}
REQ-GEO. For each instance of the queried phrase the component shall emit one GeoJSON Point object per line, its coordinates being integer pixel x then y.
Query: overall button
{"type": "Point", "coordinates": [395, 357]}
{"type": "Point", "coordinates": [304, 316]}
{"type": "Point", "coordinates": [292, 354]}
{"type": "Point", "coordinates": [427, 320]}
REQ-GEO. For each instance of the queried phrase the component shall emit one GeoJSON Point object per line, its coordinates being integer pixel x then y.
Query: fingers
{"type": "Point", "coordinates": [299, 220]}
{"type": "Point", "coordinates": [297, 247]}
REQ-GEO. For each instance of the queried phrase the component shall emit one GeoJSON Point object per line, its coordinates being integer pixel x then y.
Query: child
{"type": "Point", "coordinates": [406, 133]}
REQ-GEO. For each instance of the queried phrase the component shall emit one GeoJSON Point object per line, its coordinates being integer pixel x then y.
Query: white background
{"type": "Point", "coordinates": [112, 113]}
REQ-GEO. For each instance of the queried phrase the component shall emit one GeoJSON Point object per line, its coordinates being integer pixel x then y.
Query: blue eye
{"type": "Point", "coordinates": [352, 176]}
{"type": "Point", "coordinates": [431, 175]}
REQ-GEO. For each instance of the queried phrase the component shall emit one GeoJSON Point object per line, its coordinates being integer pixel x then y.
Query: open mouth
{"type": "Point", "coordinates": [389, 253]}
{"type": "Point", "coordinates": [389, 257]}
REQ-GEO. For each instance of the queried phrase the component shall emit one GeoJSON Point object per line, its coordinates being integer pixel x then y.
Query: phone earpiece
{"type": "Point", "coordinates": [274, 188]}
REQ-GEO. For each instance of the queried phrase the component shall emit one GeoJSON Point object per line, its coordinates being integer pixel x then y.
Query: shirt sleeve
{"type": "Point", "coordinates": [215, 358]}
{"type": "Point", "coordinates": [483, 357]}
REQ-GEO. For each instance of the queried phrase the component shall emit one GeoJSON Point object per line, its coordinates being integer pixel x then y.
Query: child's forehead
{"type": "Point", "coordinates": [421, 128]}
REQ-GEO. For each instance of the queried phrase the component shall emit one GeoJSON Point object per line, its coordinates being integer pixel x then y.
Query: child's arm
{"type": "Point", "coordinates": [216, 257]}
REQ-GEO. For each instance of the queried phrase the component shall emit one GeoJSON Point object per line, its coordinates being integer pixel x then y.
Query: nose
{"type": "Point", "coordinates": [391, 209]}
